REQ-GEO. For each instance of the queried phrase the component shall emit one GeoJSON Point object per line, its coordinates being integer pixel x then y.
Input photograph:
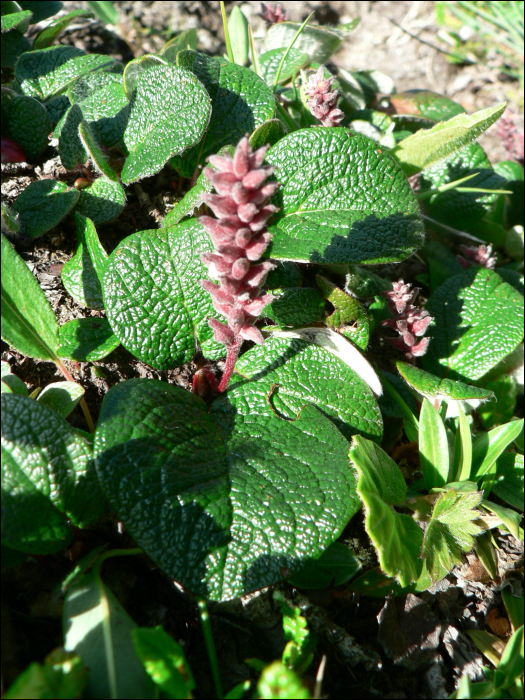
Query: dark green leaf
{"type": "Point", "coordinates": [169, 112]}
{"type": "Point", "coordinates": [299, 306]}
{"type": "Point", "coordinates": [268, 132]}
{"type": "Point", "coordinates": [41, 9]}
{"type": "Point", "coordinates": [286, 274]}
{"type": "Point", "coordinates": [28, 322]}
{"type": "Point", "coordinates": [95, 152]}
{"type": "Point", "coordinates": [102, 202]}
{"type": "Point", "coordinates": [404, 404]}
{"type": "Point", "coordinates": [87, 339]}
{"type": "Point", "coordinates": [106, 111]}
{"type": "Point", "coordinates": [10, 558]}
{"type": "Point", "coordinates": [70, 148]}
{"type": "Point", "coordinates": [349, 316]}
{"type": "Point", "coordinates": [270, 61]}
{"type": "Point", "coordinates": [57, 107]}
{"type": "Point", "coordinates": [501, 409]}
{"type": "Point", "coordinates": [47, 36]}
{"type": "Point", "coordinates": [191, 201]}
{"type": "Point", "coordinates": [335, 566]}
{"type": "Point", "coordinates": [16, 20]}
{"type": "Point", "coordinates": [442, 263]}
{"type": "Point", "coordinates": [14, 44]}
{"type": "Point", "coordinates": [61, 397]}
{"type": "Point", "coordinates": [82, 275]}
{"type": "Point", "coordinates": [42, 205]}
{"type": "Point", "coordinates": [61, 676]}
{"type": "Point", "coordinates": [153, 298]}
{"type": "Point", "coordinates": [12, 384]}
{"type": "Point", "coordinates": [433, 387]}
{"type": "Point", "coordinates": [243, 496]}
{"type": "Point", "coordinates": [476, 324]}
{"type": "Point", "coordinates": [509, 479]}
{"type": "Point", "coordinates": [342, 200]}
{"type": "Point", "coordinates": [429, 104]}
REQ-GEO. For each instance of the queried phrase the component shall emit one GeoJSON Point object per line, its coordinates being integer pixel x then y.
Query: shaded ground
{"type": "Point", "coordinates": [413, 647]}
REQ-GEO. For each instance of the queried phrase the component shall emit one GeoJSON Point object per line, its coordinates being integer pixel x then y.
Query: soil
{"type": "Point", "coordinates": [410, 647]}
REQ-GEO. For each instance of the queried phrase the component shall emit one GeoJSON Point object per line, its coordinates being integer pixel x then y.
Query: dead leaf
{"type": "Point", "coordinates": [499, 625]}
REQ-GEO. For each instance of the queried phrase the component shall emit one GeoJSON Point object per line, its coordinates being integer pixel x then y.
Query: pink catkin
{"type": "Point", "coordinates": [409, 321]}
{"type": "Point", "coordinates": [477, 255]}
{"type": "Point", "coordinates": [239, 235]}
{"type": "Point", "coordinates": [273, 15]}
{"type": "Point", "coordinates": [322, 100]}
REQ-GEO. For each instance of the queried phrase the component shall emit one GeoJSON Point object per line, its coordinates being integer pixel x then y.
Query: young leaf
{"type": "Point", "coordinates": [300, 306]}
{"type": "Point", "coordinates": [429, 146]}
{"type": "Point", "coordinates": [270, 132]}
{"type": "Point", "coordinates": [396, 538]}
{"type": "Point", "coordinates": [349, 317]}
{"type": "Point", "coordinates": [169, 112]}
{"type": "Point", "coordinates": [95, 153]}
{"type": "Point", "coordinates": [318, 42]}
{"type": "Point", "coordinates": [509, 479]}
{"type": "Point", "coordinates": [62, 675]}
{"type": "Point", "coordinates": [451, 531]}
{"type": "Point", "coordinates": [102, 202]}
{"type": "Point", "coordinates": [243, 496]}
{"type": "Point", "coordinates": [241, 101]}
{"type": "Point", "coordinates": [87, 339]}
{"type": "Point", "coordinates": [293, 63]}
{"type": "Point", "coordinates": [82, 275]}
{"type": "Point", "coordinates": [238, 31]}
{"type": "Point", "coordinates": [42, 205]}
{"type": "Point", "coordinates": [164, 661]}
{"type": "Point", "coordinates": [489, 446]}
{"type": "Point", "coordinates": [30, 125]}
{"type": "Point", "coordinates": [49, 71]}
{"type": "Point", "coordinates": [99, 630]}
{"type": "Point", "coordinates": [335, 566]}
{"type": "Point", "coordinates": [84, 88]}
{"type": "Point", "coordinates": [28, 322]}
{"type": "Point", "coordinates": [106, 110]}
{"type": "Point", "coordinates": [433, 447]}
{"type": "Point", "coordinates": [61, 397]}
{"type": "Point", "coordinates": [136, 67]}
{"type": "Point", "coordinates": [342, 200]}
{"type": "Point", "coordinates": [277, 680]}
{"type": "Point", "coordinates": [47, 36]}
{"type": "Point", "coordinates": [153, 299]}
{"type": "Point", "coordinates": [462, 449]}
{"type": "Point", "coordinates": [11, 384]}
{"type": "Point", "coordinates": [468, 310]}
{"type": "Point", "coordinates": [48, 476]}
{"type": "Point", "coordinates": [70, 148]}
{"type": "Point", "coordinates": [185, 40]}
{"type": "Point", "coordinates": [297, 653]}
{"type": "Point", "coordinates": [433, 387]}
{"type": "Point", "coordinates": [284, 374]}
{"type": "Point", "coordinates": [104, 10]}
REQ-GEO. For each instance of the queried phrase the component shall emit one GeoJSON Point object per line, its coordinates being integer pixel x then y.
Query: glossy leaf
{"type": "Point", "coordinates": [299, 306]}
{"type": "Point", "coordinates": [28, 322]}
{"type": "Point", "coordinates": [49, 71]}
{"type": "Point", "coordinates": [82, 275]}
{"type": "Point", "coordinates": [318, 42]}
{"type": "Point", "coordinates": [476, 324]}
{"type": "Point", "coordinates": [135, 68]}
{"type": "Point", "coordinates": [153, 299]}
{"type": "Point", "coordinates": [335, 566]}
{"type": "Point", "coordinates": [84, 88]}
{"type": "Point", "coordinates": [342, 200]}
{"type": "Point", "coordinates": [14, 44]}
{"type": "Point", "coordinates": [191, 201]}
{"type": "Point", "coordinates": [106, 111]}
{"type": "Point", "coordinates": [169, 112]}
{"type": "Point", "coordinates": [509, 479]}
{"type": "Point", "coordinates": [30, 125]}
{"type": "Point", "coordinates": [241, 101]}
{"type": "Point", "coordinates": [349, 316]}
{"type": "Point", "coordinates": [47, 36]}
{"type": "Point", "coordinates": [433, 387]}
{"type": "Point", "coordinates": [99, 630]}
{"type": "Point", "coordinates": [87, 339]}
{"type": "Point", "coordinates": [429, 146]}
{"type": "Point", "coordinates": [61, 676]}
{"type": "Point", "coordinates": [70, 147]}
{"type": "Point", "coordinates": [396, 537]}
{"type": "Point", "coordinates": [42, 205]}
{"type": "Point", "coordinates": [11, 384]}
{"type": "Point", "coordinates": [489, 446]}
{"type": "Point", "coordinates": [102, 202]}
{"type": "Point", "coordinates": [270, 132]}
{"type": "Point", "coordinates": [428, 104]}
{"type": "Point", "coordinates": [433, 446]}
{"type": "Point", "coordinates": [61, 397]}
{"type": "Point", "coordinates": [164, 661]}
{"type": "Point", "coordinates": [269, 61]}
{"type": "Point", "coordinates": [286, 374]}
{"type": "Point", "coordinates": [41, 9]}
{"type": "Point", "coordinates": [48, 477]}
{"type": "Point", "coordinates": [243, 496]}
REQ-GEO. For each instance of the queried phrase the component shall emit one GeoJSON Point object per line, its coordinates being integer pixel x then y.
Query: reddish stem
{"type": "Point", "coordinates": [231, 359]}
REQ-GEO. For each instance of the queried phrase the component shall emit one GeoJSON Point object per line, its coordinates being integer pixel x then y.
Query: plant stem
{"type": "Point", "coordinates": [83, 404]}
{"type": "Point", "coordinates": [227, 34]}
{"type": "Point", "coordinates": [210, 646]}
{"type": "Point", "coordinates": [285, 55]}
{"type": "Point", "coordinates": [231, 359]}
{"type": "Point", "coordinates": [253, 50]}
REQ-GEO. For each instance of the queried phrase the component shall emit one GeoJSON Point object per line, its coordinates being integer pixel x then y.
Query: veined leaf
{"type": "Point", "coordinates": [299, 306]}
{"type": "Point", "coordinates": [29, 124]}
{"type": "Point", "coordinates": [270, 62]}
{"type": "Point", "coordinates": [87, 339]}
{"type": "Point", "coordinates": [42, 205]}
{"type": "Point", "coordinates": [433, 387]}
{"type": "Point", "coordinates": [433, 447]}
{"type": "Point", "coordinates": [102, 202]}
{"type": "Point", "coordinates": [61, 397]}
{"type": "Point", "coordinates": [82, 275]}
{"type": "Point", "coordinates": [136, 67]}
{"type": "Point", "coordinates": [318, 42]}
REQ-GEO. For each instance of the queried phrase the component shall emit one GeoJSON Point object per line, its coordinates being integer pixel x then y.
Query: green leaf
{"type": "Point", "coordinates": [102, 202]}
{"type": "Point", "coordinates": [364, 283]}
{"type": "Point", "coordinates": [429, 146]}
{"type": "Point", "coordinates": [42, 205]}
{"type": "Point", "coordinates": [476, 324]}
{"type": "Point", "coordinates": [61, 397]}
{"type": "Point", "coordinates": [62, 676]}
{"type": "Point", "coordinates": [489, 446]}
{"type": "Point", "coordinates": [28, 322]}
{"type": "Point", "coordinates": [268, 132]}
{"type": "Point", "coordinates": [396, 537]}
{"type": "Point", "coordinates": [335, 566]}
{"type": "Point", "coordinates": [511, 663]}
{"type": "Point", "coordinates": [191, 201]}
{"type": "Point", "coordinates": [238, 31]}
{"type": "Point", "coordinates": [30, 125]}
{"type": "Point", "coordinates": [433, 387]}
{"type": "Point", "coordinates": [283, 375]}
{"type": "Point", "coordinates": [270, 61]}
{"type": "Point", "coordinates": [70, 147]}
{"type": "Point", "coordinates": [349, 316]}
{"type": "Point", "coordinates": [225, 521]}
{"type": "Point", "coordinates": [99, 630]}
{"type": "Point", "coordinates": [451, 530]}
{"type": "Point", "coordinates": [298, 652]}
{"type": "Point", "coordinates": [82, 275]}
{"type": "Point", "coordinates": [49, 71]}
{"type": "Point", "coordinates": [509, 479]}
{"type": "Point", "coordinates": [342, 200]}
{"type": "Point", "coordinates": [164, 661]}
{"type": "Point", "coordinates": [300, 306]}
{"type": "Point", "coordinates": [16, 20]}
{"type": "Point", "coordinates": [185, 40]}
{"type": "Point", "coordinates": [318, 42]}
{"type": "Point", "coordinates": [433, 447]}
{"type": "Point", "coordinates": [429, 104]}
{"type": "Point", "coordinates": [41, 9]}
{"type": "Point", "coordinates": [411, 424]}
{"type": "Point", "coordinates": [106, 111]}
{"type": "Point", "coordinates": [462, 449]}
{"type": "Point", "coordinates": [153, 298]}
{"type": "Point", "coordinates": [104, 10]}
{"type": "Point", "coordinates": [286, 274]}
{"type": "Point", "coordinates": [96, 154]}
{"type": "Point", "coordinates": [513, 606]}
{"type": "Point", "coordinates": [169, 112]}
{"type": "Point", "coordinates": [48, 477]}
{"type": "Point", "coordinates": [10, 221]}
{"type": "Point", "coordinates": [501, 409]}
{"type": "Point", "coordinates": [241, 101]}
{"type": "Point", "coordinates": [12, 384]}
{"type": "Point", "coordinates": [509, 518]}
{"type": "Point", "coordinates": [487, 553]}
{"type": "Point", "coordinates": [84, 88]}
{"type": "Point", "coordinates": [87, 339]}
{"type": "Point", "coordinates": [454, 206]}
{"type": "Point", "coordinates": [136, 67]}
{"type": "Point", "coordinates": [442, 263]}
{"type": "Point", "coordinates": [47, 36]}
{"type": "Point", "coordinates": [14, 44]}
{"type": "Point", "coordinates": [278, 681]}
{"type": "Point", "coordinates": [11, 558]}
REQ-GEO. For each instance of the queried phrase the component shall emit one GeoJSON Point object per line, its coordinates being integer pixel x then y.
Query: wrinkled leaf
{"type": "Point", "coordinates": [70, 147]}
{"type": "Point", "coordinates": [14, 44]}
{"type": "Point", "coordinates": [106, 111]}
{"type": "Point", "coordinates": [349, 316]}
{"type": "Point", "coordinates": [300, 306]}
{"type": "Point", "coordinates": [102, 202]}
{"type": "Point", "coordinates": [135, 68]}
{"type": "Point", "coordinates": [335, 566]}
{"type": "Point", "coordinates": [87, 339]}
{"type": "Point", "coordinates": [30, 125]}
{"type": "Point", "coordinates": [42, 205]}
{"type": "Point", "coordinates": [268, 132]}
{"type": "Point", "coordinates": [41, 9]}
{"type": "Point", "coordinates": [96, 154]}
{"type": "Point", "coordinates": [61, 397]}
{"type": "Point", "coordinates": [433, 387]}
{"type": "Point", "coordinates": [82, 275]}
